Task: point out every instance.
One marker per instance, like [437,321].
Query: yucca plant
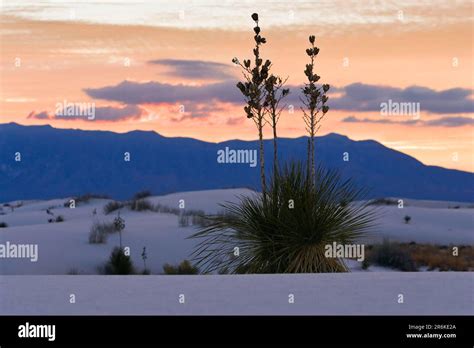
[289,232]
[285,228]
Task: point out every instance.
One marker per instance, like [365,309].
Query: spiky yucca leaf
[287,232]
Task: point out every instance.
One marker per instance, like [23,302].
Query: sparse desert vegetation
[391,255]
[141,195]
[183,220]
[431,249]
[13,206]
[56,219]
[141,205]
[85,198]
[119,263]
[100,231]
[186,217]
[112,206]
[185,267]
[442,258]
[414,256]
[383,201]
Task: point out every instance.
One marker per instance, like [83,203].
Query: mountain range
[66,162]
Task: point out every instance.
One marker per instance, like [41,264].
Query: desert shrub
[170,269]
[97,236]
[183,220]
[158,208]
[392,255]
[99,231]
[365,263]
[185,267]
[86,198]
[3,225]
[440,257]
[13,206]
[286,232]
[141,205]
[199,217]
[112,206]
[201,220]
[119,263]
[383,201]
[59,218]
[141,195]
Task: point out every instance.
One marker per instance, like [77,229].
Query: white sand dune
[64,246]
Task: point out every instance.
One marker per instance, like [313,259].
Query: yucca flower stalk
[314,100]
[275,92]
[253,90]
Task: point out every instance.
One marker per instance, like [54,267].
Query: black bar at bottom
[141,330]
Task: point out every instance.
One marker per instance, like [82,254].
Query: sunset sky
[166,66]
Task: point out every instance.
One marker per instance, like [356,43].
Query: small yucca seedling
[119,225]
[144,258]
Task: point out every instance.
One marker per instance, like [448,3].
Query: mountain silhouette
[66,162]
